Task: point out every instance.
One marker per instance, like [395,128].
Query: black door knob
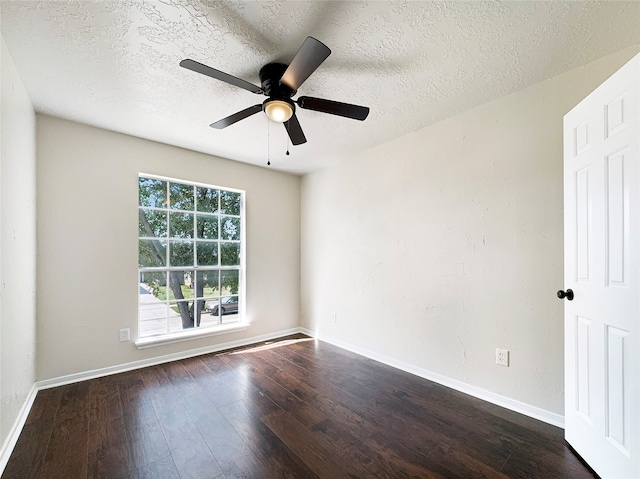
[566,294]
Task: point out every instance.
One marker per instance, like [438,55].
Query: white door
[602,267]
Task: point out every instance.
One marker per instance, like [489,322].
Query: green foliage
[160,292]
[207,227]
[157,290]
[230,254]
[229,203]
[230,281]
[230,228]
[207,199]
[152,193]
[152,223]
[151,253]
[181,253]
[181,196]
[180,225]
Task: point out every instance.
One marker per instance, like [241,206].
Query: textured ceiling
[114,63]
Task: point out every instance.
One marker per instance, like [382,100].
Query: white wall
[87,243]
[17,246]
[438,247]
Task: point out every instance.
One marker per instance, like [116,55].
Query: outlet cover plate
[502,357]
[125,335]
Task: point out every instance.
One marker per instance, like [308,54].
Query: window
[190,256]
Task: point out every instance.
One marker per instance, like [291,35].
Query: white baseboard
[97,373]
[16,429]
[497,399]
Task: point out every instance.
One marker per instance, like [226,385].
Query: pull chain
[287,145]
[268,143]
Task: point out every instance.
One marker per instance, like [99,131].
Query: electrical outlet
[334,317]
[502,357]
[124,335]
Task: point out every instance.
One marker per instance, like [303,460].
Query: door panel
[582,364]
[617,406]
[583,223]
[617,208]
[602,267]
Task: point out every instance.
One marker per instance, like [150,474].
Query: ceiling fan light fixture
[278,110]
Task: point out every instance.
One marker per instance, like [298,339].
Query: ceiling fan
[280,82]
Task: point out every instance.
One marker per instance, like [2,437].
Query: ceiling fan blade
[295,130]
[241,115]
[355,112]
[218,75]
[310,56]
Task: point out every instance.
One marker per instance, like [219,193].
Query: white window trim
[196,333]
[169,338]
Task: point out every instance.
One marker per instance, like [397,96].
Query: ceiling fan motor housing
[270,75]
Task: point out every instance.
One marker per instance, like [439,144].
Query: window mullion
[196,311]
[167,273]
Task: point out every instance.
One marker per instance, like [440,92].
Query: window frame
[196,331]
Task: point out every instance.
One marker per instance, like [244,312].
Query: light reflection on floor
[271,345]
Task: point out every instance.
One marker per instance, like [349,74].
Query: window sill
[153,341]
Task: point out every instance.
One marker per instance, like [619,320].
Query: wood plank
[192,457]
[67,452]
[108,451]
[29,453]
[144,436]
[182,380]
[133,394]
[233,455]
[146,441]
[161,469]
[226,385]
[277,458]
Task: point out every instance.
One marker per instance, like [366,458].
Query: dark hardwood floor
[293,408]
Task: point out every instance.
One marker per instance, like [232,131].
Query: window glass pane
[207,253]
[152,223]
[180,225]
[226,309]
[151,253]
[152,192]
[207,199]
[180,285]
[153,316]
[229,203]
[211,314]
[207,282]
[230,254]
[207,227]
[229,281]
[153,287]
[180,253]
[181,196]
[231,228]
[180,316]
[183,316]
